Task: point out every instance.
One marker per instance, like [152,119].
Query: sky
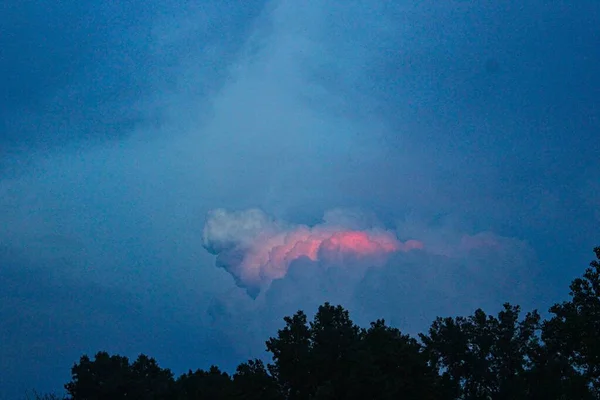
[177,176]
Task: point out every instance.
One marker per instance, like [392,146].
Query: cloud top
[257,249]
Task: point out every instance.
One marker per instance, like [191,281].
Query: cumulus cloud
[288,107]
[351,260]
[256,249]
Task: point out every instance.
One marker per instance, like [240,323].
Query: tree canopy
[477,357]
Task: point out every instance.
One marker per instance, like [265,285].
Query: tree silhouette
[211,384]
[104,377]
[481,356]
[484,356]
[291,351]
[113,377]
[149,381]
[332,358]
[571,335]
[395,366]
[251,381]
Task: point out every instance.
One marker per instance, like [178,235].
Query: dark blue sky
[123,123]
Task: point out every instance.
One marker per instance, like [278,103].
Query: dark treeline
[504,356]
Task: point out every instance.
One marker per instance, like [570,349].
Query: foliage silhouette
[484,356]
[480,356]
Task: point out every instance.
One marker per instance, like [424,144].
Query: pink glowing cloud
[257,250]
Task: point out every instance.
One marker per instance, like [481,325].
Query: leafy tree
[104,377]
[149,381]
[571,335]
[335,340]
[112,377]
[211,384]
[394,366]
[553,376]
[291,351]
[315,360]
[251,381]
[482,356]
[470,358]
[332,358]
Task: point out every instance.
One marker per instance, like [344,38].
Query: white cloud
[447,274]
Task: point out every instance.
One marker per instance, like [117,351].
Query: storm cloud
[257,249]
[281,267]
[468,127]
